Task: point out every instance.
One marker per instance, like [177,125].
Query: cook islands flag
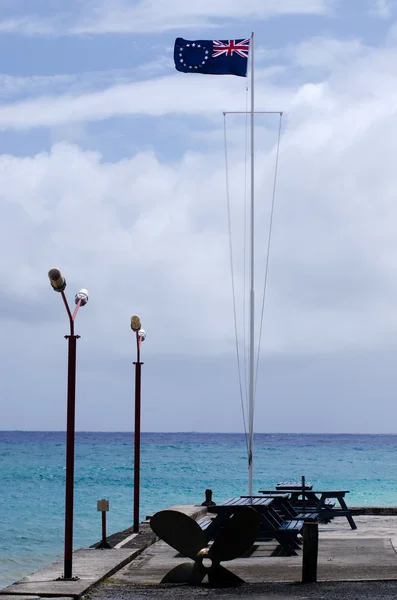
[212,57]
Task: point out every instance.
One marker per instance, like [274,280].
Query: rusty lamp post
[140,337]
[58,284]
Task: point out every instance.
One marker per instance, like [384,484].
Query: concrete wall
[376,510]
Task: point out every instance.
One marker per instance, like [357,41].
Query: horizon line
[199,432]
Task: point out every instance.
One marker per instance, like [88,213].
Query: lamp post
[140,337]
[58,284]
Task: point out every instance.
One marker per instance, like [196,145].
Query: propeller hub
[206,562]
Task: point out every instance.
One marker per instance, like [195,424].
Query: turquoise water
[176,468]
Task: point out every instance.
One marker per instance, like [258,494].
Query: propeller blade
[237,536]
[179,531]
[190,573]
[223,577]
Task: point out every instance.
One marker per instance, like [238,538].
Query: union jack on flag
[212,57]
[241,48]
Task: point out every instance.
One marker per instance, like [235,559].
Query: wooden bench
[321,501]
[204,523]
[296,502]
[281,504]
[293,525]
[308,516]
[273,525]
[285,531]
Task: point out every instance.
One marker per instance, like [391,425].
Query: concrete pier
[135,564]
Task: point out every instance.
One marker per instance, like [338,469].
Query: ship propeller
[185,535]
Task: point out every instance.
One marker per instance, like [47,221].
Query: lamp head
[135,323]
[82,295]
[142,334]
[57,281]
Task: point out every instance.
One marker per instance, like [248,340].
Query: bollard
[103,507]
[310,552]
[303,493]
[208,499]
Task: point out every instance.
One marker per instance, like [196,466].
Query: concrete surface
[90,565]
[369,552]
[380,590]
[134,569]
[22,597]
[356,564]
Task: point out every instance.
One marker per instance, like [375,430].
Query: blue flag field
[212,57]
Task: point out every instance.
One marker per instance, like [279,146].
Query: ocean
[176,468]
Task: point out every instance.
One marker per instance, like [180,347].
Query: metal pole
[137,435]
[70,435]
[252,293]
[104,542]
[58,283]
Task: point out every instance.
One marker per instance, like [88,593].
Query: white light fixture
[82,295]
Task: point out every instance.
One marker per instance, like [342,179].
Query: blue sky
[112,169]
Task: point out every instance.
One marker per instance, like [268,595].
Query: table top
[272,494]
[309,492]
[329,492]
[255,502]
[290,485]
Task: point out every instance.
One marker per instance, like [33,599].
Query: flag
[212,57]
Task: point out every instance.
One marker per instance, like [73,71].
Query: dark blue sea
[176,468]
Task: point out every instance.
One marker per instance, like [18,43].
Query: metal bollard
[310,552]
[103,507]
[208,499]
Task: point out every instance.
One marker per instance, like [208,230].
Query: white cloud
[18,86]
[98,96]
[163,224]
[366,78]
[156,97]
[127,227]
[326,52]
[382,8]
[14,85]
[149,16]
[149,235]
[31,25]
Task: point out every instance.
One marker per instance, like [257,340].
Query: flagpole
[252,292]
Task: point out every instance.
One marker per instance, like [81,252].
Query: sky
[112,169]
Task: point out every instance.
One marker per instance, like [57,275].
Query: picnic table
[320,500]
[292,485]
[274,524]
[285,508]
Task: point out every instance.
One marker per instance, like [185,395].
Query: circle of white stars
[193,44]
